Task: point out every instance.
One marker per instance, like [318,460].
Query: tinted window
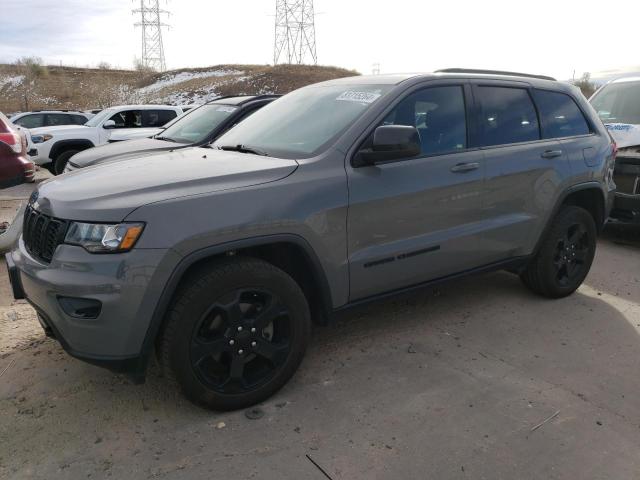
[78,119]
[508,116]
[157,118]
[127,119]
[197,125]
[439,115]
[31,121]
[559,114]
[54,119]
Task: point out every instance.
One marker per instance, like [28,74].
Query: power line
[295,36]
[151,26]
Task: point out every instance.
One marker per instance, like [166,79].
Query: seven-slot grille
[42,234]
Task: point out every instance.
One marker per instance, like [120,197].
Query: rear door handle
[465,167]
[551,153]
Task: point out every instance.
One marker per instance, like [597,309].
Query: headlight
[101,238]
[41,138]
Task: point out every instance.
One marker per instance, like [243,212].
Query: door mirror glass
[391,142]
[109,124]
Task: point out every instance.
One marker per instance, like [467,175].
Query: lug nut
[239,329]
[253,329]
[240,352]
[231,342]
[253,344]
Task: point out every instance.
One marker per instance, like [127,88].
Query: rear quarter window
[507,116]
[560,115]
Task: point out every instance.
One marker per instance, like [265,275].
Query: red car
[15,167]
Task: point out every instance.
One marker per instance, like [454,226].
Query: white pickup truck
[56,145]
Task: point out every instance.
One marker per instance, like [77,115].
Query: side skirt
[513,265]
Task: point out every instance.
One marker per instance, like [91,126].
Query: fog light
[86,308]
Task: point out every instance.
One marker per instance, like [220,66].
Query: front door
[417,219]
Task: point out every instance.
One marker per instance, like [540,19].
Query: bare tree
[104,66]
[586,85]
[32,70]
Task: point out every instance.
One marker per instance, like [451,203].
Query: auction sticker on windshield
[359,97]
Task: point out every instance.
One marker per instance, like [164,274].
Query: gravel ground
[448,383]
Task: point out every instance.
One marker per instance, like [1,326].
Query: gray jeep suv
[219,259]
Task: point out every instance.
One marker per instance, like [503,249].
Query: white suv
[56,145]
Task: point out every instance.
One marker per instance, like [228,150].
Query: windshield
[302,123]
[198,124]
[619,103]
[100,117]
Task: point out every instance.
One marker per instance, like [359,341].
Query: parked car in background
[218,259]
[618,106]
[56,145]
[199,126]
[50,118]
[15,167]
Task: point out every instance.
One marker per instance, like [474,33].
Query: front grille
[42,234]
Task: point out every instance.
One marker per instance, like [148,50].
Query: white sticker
[359,97]
[226,109]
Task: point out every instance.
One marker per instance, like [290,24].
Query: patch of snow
[12,81]
[168,80]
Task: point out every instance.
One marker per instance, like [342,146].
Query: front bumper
[127,285]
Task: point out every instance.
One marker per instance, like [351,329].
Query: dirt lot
[449,383]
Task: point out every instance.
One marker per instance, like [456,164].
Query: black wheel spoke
[274,352]
[576,235]
[201,349]
[267,315]
[236,369]
[580,255]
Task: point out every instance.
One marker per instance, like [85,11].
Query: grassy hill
[83,88]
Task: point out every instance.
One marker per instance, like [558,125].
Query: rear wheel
[236,334]
[565,256]
[61,161]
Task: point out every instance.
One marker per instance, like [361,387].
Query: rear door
[523,170]
[417,219]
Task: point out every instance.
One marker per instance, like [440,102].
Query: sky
[561,38]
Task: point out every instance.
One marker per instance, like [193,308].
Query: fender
[62,145]
[556,208]
[187,261]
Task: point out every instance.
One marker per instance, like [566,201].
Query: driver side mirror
[109,124]
[390,142]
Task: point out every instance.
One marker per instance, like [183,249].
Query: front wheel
[236,333]
[61,161]
[565,256]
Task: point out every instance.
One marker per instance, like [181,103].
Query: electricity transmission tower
[295,40]
[151,26]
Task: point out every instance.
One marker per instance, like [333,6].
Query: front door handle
[551,153]
[465,167]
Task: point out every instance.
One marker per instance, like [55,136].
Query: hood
[108,193]
[60,129]
[121,151]
[625,134]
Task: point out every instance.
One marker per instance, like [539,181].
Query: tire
[61,161]
[240,311]
[565,256]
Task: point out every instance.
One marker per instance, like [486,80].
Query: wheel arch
[587,195]
[289,252]
[590,197]
[62,145]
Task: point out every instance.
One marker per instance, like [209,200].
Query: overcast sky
[554,37]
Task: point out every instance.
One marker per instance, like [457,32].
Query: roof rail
[494,72]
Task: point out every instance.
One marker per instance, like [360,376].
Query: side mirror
[109,124]
[390,142]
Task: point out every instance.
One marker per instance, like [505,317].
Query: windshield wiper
[243,149]
[167,139]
